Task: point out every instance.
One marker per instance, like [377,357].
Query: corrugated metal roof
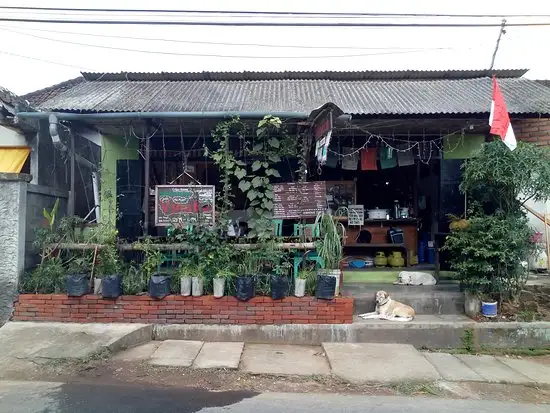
[39,96]
[317,75]
[367,97]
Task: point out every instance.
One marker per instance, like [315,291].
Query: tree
[488,251]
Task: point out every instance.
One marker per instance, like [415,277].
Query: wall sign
[184,204]
[299,199]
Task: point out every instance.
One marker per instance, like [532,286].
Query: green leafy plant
[487,250]
[80,264]
[189,267]
[329,246]
[265,148]
[47,278]
[133,280]
[108,261]
[50,215]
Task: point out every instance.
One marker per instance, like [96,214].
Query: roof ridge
[305,75]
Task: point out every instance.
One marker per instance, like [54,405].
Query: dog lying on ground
[415,278]
[388,309]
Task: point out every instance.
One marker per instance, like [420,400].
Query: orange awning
[13,159]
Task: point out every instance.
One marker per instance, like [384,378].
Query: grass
[492,351]
[413,388]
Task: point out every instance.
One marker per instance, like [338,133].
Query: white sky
[435,48]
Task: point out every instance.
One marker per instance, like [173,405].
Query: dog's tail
[403,318]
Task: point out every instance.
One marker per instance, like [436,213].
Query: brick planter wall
[178,309]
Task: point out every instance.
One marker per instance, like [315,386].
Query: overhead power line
[44,60]
[269,13]
[267,24]
[215,55]
[11,29]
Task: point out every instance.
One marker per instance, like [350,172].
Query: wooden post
[71,201]
[146,186]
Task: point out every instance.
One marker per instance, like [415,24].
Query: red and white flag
[499,118]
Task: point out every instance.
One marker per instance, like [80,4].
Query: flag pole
[502,31]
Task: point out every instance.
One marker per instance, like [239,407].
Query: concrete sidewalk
[355,363]
[24,344]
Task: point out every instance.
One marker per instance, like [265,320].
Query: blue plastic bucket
[489,309]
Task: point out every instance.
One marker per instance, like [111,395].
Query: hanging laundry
[388,158]
[349,162]
[332,160]
[368,159]
[405,158]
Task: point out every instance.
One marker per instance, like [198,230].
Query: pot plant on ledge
[330,249]
[305,280]
[248,268]
[78,277]
[108,271]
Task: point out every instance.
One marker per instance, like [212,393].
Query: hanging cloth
[349,162]
[388,158]
[332,160]
[405,158]
[368,159]
[13,159]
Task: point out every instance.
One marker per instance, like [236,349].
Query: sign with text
[184,204]
[299,199]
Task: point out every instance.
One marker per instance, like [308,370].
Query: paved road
[40,397]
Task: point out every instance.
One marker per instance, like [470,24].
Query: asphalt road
[40,397]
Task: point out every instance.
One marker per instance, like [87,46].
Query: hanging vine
[265,148]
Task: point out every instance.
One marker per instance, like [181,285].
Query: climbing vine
[265,148]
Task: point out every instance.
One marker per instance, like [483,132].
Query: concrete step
[425,331]
[445,298]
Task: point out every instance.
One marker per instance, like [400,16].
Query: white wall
[11,137]
[539,207]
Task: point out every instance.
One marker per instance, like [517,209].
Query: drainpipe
[157,115]
[58,143]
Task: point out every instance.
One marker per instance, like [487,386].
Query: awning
[13,159]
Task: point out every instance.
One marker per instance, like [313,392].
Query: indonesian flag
[499,118]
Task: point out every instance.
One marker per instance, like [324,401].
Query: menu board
[299,199]
[184,204]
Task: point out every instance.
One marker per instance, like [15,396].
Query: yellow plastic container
[396,259]
[380,260]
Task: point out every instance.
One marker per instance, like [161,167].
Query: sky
[37,55]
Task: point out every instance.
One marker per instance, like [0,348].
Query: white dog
[415,278]
[388,309]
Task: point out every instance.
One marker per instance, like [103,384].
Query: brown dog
[388,309]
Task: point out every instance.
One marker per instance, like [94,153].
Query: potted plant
[186,270]
[108,271]
[489,306]
[159,283]
[197,281]
[329,248]
[79,269]
[279,281]
[222,275]
[247,270]
[49,277]
[304,276]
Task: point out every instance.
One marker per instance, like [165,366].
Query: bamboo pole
[537,214]
[179,246]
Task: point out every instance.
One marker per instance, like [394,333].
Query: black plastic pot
[159,285]
[326,287]
[111,286]
[244,287]
[77,285]
[279,287]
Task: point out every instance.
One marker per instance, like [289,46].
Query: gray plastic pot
[185,286]
[219,287]
[300,287]
[197,286]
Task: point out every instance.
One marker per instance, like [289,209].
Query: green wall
[113,148]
